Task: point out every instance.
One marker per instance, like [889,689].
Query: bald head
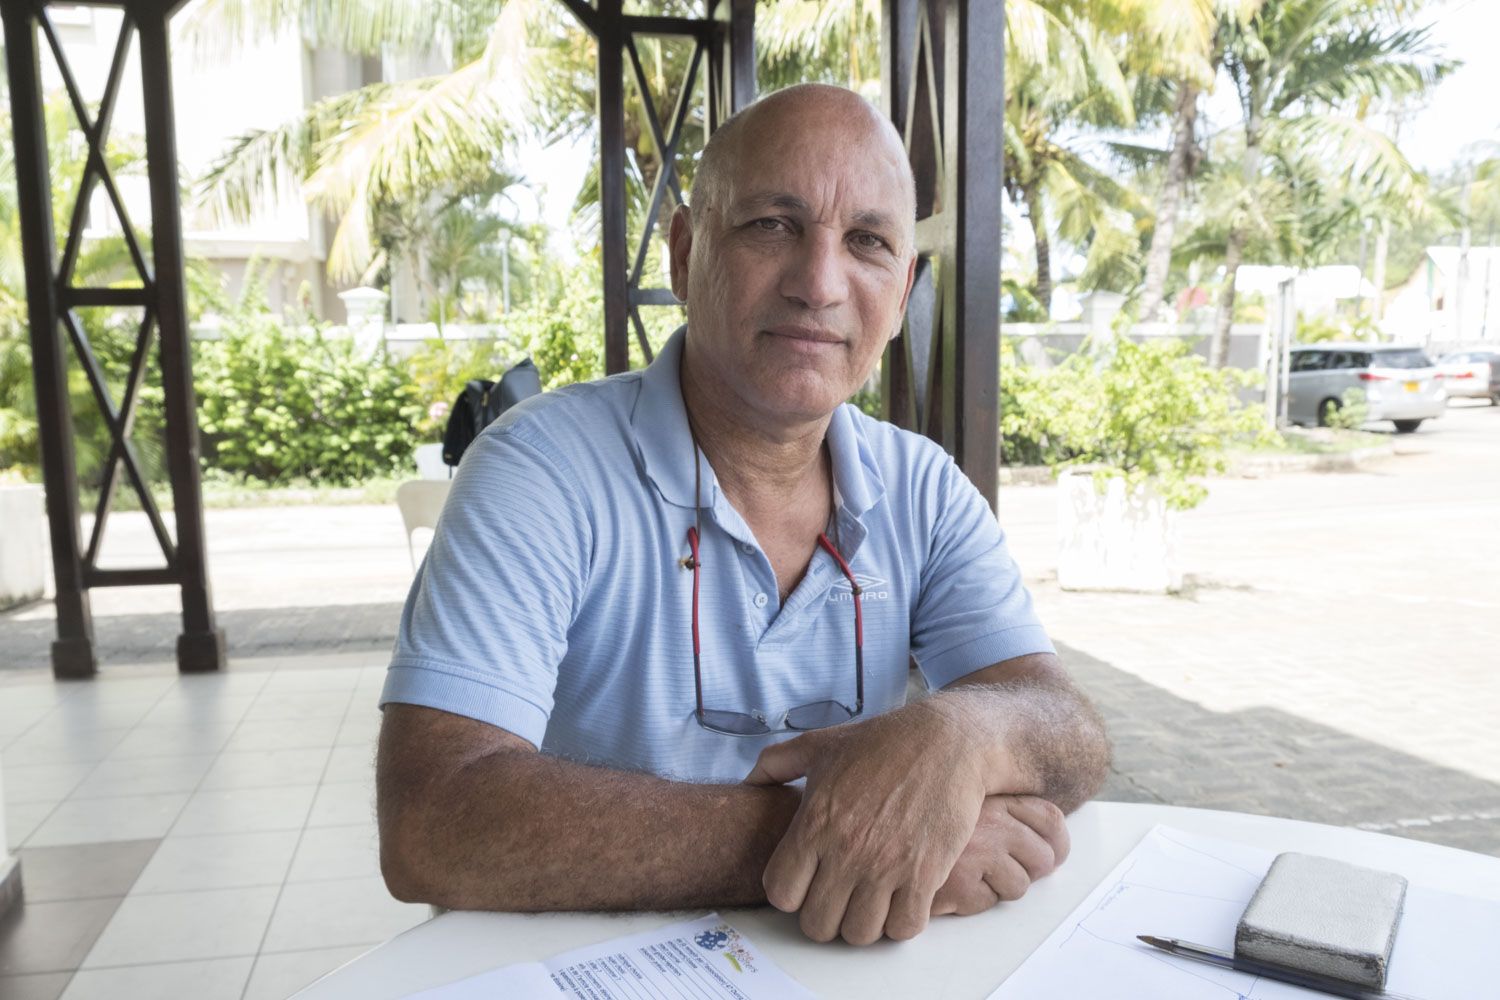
[781,121]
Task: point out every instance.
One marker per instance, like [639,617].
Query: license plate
[1413,386]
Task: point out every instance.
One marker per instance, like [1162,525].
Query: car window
[1308,361]
[1400,359]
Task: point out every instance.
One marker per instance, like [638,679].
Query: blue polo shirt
[553,602]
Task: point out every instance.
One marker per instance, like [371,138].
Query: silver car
[1474,374]
[1400,384]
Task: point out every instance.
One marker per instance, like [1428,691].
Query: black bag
[481,402]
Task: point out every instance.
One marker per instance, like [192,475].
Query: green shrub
[1148,411]
[276,405]
[1353,410]
[18,441]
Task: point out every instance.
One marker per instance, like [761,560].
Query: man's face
[796,272]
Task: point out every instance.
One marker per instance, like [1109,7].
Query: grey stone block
[1323,916]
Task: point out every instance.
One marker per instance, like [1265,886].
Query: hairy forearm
[1041,735]
[518,830]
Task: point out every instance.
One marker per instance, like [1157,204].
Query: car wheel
[1407,426]
[1326,410]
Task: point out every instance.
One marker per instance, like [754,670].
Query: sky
[1464,108]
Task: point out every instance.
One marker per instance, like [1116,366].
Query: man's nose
[816,275]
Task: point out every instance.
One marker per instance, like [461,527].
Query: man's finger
[1046,819]
[827,900]
[964,897]
[910,909]
[864,919]
[1008,879]
[789,873]
[1033,851]
[781,762]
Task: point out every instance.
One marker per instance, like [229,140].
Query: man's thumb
[781,762]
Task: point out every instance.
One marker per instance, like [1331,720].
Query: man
[644,588]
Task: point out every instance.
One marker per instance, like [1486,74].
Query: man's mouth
[806,337]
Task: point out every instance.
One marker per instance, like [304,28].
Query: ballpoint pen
[1291,977]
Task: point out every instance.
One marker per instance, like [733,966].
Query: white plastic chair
[420,502]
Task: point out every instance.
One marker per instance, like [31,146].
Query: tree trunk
[1179,168]
[1382,251]
[1033,196]
[1234,250]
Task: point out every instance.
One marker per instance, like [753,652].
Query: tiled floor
[193,836]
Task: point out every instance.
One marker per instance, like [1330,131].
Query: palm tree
[1177,55]
[1298,67]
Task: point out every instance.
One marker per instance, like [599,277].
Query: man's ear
[680,248]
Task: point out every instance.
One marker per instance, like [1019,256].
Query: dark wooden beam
[942,74]
[974,107]
[73,651]
[610,30]
[201,646]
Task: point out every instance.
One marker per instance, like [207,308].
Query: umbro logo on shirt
[871,588]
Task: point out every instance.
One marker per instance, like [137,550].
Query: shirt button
[746,548]
[761,600]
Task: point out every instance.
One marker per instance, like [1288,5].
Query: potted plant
[1130,428]
[23,555]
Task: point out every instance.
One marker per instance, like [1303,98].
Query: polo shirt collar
[659,422]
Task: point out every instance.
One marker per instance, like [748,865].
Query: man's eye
[769,225]
[869,241]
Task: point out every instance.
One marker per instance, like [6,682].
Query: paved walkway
[1336,658]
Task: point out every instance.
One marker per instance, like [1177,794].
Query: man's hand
[889,807]
[1019,839]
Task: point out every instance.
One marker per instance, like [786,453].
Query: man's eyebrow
[870,218]
[771,199]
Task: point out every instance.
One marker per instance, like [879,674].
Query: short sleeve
[486,622]
[972,609]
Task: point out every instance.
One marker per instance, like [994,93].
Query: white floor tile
[218,861]
[118,687]
[343,803]
[340,912]
[266,769]
[245,810]
[186,711]
[168,741]
[298,681]
[283,734]
[127,817]
[216,979]
[360,728]
[42,782]
[179,926]
[102,713]
[336,852]
[276,977]
[351,763]
[310,705]
[45,745]
[22,820]
[143,776]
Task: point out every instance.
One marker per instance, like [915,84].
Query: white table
[963,958]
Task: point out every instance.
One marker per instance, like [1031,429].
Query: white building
[221,92]
[1452,298]
[1318,291]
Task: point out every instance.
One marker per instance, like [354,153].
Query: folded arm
[473,817]
[941,806]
